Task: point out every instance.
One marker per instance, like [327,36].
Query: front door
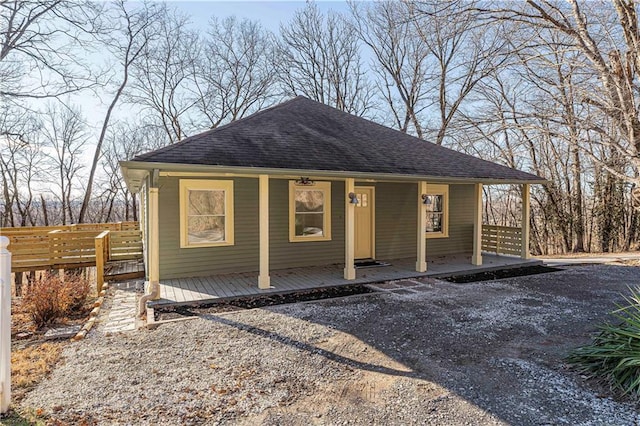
[364,223]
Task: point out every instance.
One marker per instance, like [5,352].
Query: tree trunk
[44,210]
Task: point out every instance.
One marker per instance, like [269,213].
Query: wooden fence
[502,239]
[74,246]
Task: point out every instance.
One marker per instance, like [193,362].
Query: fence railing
[125,245]
[502,239]
[73,246]
[111,226]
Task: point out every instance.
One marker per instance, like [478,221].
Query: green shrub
[51,297]
[613,356]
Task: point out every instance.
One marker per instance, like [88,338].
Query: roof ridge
[255,114]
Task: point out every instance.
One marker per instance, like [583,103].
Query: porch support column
[477,225]
[349,231]
[264,281]
[154,238]
[421,260]
[526,215]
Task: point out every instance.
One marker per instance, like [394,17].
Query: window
[206,213]
[363,200]
[437,206]
[310,212]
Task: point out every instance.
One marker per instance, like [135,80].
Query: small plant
[51,297]
[78,288]
[613,357]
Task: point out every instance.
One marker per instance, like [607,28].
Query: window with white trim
[206,213]
[309,212]
[437,206]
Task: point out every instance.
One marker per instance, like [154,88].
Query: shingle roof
[302,134]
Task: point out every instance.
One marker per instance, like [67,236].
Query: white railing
[502,240]
[5,325]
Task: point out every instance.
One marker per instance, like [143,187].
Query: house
[302,184]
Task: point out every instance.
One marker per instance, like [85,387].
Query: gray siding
[188,262]
[460,224]
[396,216]
[284,254]
[243,256]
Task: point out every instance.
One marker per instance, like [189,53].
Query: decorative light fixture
[426,199]
[304,181]
[353,198]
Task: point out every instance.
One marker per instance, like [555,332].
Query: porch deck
[183,291]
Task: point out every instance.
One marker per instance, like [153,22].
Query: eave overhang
[135,173]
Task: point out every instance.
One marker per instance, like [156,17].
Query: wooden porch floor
[121,270]
[219,287]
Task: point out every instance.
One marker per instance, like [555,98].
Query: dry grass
[30,365]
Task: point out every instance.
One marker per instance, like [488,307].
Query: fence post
[100,246]
[5,325]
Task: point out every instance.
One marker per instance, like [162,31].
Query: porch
[219,287]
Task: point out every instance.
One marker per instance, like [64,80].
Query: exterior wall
[395,218]
[243,256]
[178,262]
[284,254]
[460,224]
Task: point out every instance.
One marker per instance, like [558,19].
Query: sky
[269,13]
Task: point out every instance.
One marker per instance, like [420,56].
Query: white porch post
[154,243]
[5,325]
[421,260]
[264,281]
[526,214]
[477,226]
[349,231]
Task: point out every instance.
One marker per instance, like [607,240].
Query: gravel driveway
[438,353]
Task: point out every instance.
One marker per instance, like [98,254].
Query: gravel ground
[488,353]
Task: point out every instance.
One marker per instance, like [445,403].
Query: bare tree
[164,72]
[21,161]
[37,47]
[65,135]
[129,38]
[20,128]
[464,50]
[319,57]
[124,141]
[606,42]
[235,73]
[401,60]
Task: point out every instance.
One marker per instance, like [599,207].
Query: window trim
[322,186]
[203,185]
[434,189]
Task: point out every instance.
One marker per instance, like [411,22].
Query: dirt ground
[418,352]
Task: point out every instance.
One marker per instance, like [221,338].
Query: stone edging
[97,305]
